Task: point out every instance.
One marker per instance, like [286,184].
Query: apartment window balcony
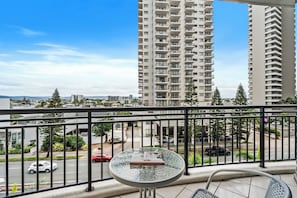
[161,26]
[174,52]
[208,7]
[161,41]
[162,9]
[208,21]
[189,2]
[190,30]
[174,22]
[208,34]
[189,60]
[161,95]
[208,14]
[175,30]
[175,45]
[174,73]
[188,46]
[161,33]
[175,38]
[160,56]
[174,59]
[161,18]
[190,16]
[175,8]
[161,1]
[161,49]
[189,38]
[189,52]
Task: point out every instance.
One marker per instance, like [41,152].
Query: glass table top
[148,175]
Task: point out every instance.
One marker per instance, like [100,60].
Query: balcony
[255,136]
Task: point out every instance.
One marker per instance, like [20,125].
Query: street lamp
[287,3]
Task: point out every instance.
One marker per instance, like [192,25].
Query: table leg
[147,192]
[140,192]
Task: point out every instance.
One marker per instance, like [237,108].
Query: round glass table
[147,168]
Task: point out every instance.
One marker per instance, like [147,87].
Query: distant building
[4,104]
[121,99]
[175,51]
[271,54]
[76,98]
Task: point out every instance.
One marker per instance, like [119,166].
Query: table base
[147,192]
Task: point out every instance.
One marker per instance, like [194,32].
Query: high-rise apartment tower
[271,54]
[175,51]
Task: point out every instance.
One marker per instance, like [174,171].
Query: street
[58,174]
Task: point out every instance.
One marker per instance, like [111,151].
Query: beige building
[271,54]
[175,51]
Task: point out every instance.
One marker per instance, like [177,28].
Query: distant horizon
[85,96]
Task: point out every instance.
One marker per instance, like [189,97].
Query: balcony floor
[236,185]
[252,187]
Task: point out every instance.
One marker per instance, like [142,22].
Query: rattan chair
[276,188]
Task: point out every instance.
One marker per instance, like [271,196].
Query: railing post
[186,144]
[262,138]
[90,187]
[295,176]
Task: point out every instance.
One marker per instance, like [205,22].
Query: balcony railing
[204,136]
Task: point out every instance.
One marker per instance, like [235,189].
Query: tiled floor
[251,187]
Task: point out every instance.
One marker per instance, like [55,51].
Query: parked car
[217,150]
[2,187]
[101,157]
[43,166]
[167,139]
[114,140]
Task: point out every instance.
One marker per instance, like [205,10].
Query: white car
[43,166]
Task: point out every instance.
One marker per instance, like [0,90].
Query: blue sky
[89,47]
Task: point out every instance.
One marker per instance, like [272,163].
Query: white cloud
[29,33]
[69,70]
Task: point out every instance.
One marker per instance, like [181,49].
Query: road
[58,174]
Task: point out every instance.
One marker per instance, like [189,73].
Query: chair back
[278,189]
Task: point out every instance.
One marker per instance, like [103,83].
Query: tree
[217,129]
[240,98]
[288,100]
[101,128]
[191,99]
[241,126]
[55,101]
[216,99]
[191,94]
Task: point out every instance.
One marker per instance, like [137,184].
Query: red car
[101,157]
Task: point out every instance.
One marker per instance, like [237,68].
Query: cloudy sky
[89,47]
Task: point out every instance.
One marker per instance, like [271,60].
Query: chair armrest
[252,172]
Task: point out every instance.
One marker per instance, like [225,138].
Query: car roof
[100,153]
[41,162]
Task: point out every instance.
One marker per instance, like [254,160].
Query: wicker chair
[276,188]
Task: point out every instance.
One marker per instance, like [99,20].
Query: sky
[89,47]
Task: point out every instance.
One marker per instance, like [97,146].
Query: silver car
[43,166]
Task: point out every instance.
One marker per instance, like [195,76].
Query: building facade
[271,54]
[175,51]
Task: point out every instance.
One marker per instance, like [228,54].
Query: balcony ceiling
[288,3]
